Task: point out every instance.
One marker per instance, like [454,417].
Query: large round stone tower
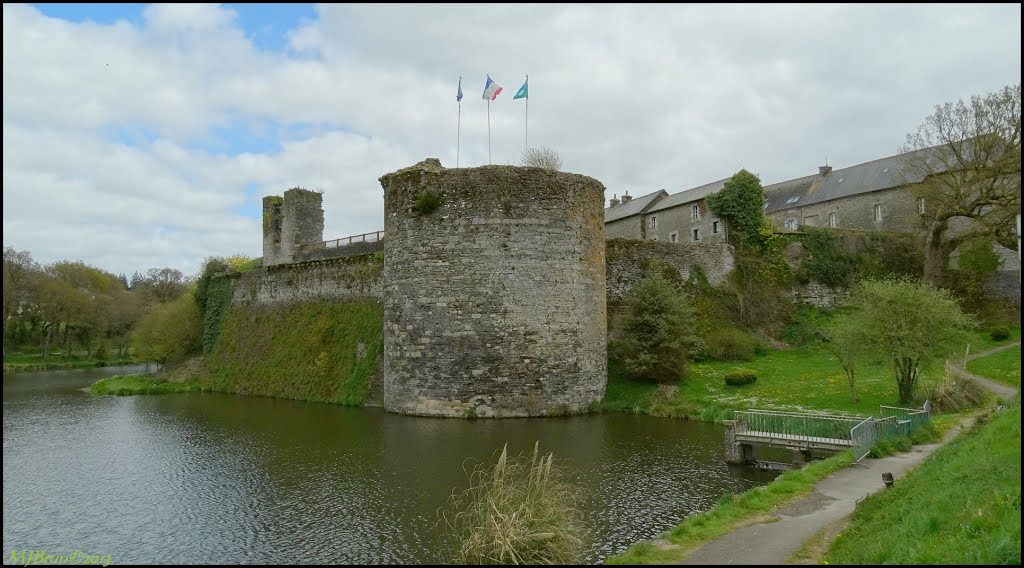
[494,291]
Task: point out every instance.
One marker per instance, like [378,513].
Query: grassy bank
[21,362]
[961,506]
[799,379]
[1003,366]
[125,385]
[731,512]
[316,351]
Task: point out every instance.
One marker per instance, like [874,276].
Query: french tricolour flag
[491,89]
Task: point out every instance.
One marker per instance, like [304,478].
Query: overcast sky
[145,136]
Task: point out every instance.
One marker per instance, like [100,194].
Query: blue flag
[458,97]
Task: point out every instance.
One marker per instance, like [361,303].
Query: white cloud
[639,97]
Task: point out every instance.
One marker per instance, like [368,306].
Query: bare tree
[542,157]
[965,165]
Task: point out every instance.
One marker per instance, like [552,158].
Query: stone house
[680,218]
[624,219]
[873,195]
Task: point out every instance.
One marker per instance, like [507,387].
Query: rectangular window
[696,212]
[920,206]
[792,224]
[714,226]
[832,220]
[696,234]
[878,212]
[673,236]
[653,223]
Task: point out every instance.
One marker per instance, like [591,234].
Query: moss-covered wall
[307,331]
[317,351]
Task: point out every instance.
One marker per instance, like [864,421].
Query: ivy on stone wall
[276,200]
[218,301]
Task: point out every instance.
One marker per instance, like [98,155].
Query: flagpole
[526,145]
[488,131]
[458,132]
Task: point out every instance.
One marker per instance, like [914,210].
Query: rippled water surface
[225,479]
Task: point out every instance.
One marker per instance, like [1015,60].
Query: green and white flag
[524,91]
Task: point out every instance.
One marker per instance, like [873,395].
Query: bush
[999,334]
[427,203]
[657,331]
[954,394]
[740,377]
[730,344]
[517,511]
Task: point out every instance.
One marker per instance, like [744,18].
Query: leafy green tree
[657,332]
[847,342]
[741,203]
[909,323]
[964,162]
[169,332]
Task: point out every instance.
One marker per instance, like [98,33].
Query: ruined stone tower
[494,291]
[288,223]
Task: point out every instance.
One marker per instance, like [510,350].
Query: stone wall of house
[628,262]
[494,291]
[898,208]
[679,221]
[628,228]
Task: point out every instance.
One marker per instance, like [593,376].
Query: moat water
[226,479]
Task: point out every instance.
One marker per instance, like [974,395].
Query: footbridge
[806,432]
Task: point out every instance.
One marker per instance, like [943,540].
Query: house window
[696,234]
[920,205]
[878,212]
[832,220]
[653,223]
[673,236]
[792,224]
[714,226]
[696,212]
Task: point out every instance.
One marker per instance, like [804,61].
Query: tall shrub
[657,331]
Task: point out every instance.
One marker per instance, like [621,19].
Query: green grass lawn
[1003,366]
[961,506]
[982,340]
[127,385]
[80,359]
[803,379]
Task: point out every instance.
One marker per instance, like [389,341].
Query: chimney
[626,198]
[614,201]
[824,170]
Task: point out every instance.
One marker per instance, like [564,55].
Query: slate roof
[694,194]
[883,173]
[634,206]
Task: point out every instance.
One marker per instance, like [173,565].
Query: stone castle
[493,287]
[495,280]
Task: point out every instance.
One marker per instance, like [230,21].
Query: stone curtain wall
[628,260]
[494,299]
[346,278]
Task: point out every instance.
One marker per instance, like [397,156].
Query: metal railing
[916,417]
[860,433]
[796,426]
[375,236]
[863,437]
